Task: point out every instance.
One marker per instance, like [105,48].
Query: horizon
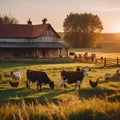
[57,11]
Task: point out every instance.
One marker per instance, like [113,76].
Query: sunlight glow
[116,28]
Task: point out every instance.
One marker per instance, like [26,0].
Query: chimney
[29,22]
[44,21]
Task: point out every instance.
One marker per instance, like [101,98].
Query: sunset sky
[57,10]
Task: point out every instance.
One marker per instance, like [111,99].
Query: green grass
[88,103]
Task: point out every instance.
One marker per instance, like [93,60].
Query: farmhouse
[26,41]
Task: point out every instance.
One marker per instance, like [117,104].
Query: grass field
[88,103]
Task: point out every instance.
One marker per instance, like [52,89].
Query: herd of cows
[69,77]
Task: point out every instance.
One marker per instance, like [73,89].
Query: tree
[8,19]
[82,30]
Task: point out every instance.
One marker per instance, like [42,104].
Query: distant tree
[82,30]
[8,19]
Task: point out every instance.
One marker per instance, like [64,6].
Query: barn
[27,41]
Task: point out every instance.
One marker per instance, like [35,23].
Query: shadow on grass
[95,92]
[15,95]
[15,64]
[88,114]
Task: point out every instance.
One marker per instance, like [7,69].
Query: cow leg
[75,85]
[62,83]
[78,83]
[40,86]
[79,87]
[37,86]
[65,87]
[28,84]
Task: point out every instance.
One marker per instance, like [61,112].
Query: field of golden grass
[101,103]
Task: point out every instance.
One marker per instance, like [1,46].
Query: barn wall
[29,53]
[6,53]
[47,53]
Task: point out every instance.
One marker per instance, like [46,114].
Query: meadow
[101,103]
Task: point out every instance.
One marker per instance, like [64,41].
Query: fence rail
[107,61]
[95,59]
[98,61]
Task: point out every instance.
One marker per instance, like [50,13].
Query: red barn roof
[24,31]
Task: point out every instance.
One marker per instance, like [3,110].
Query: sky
[57,10]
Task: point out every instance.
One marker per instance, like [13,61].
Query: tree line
[80,30]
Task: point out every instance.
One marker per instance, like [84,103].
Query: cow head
[85,71]
[51,84]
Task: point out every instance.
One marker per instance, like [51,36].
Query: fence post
[105,62]
[117,61]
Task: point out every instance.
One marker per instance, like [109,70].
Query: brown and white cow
[71,77]
[39,77]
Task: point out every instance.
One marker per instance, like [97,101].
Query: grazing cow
[71,77]
[39,77]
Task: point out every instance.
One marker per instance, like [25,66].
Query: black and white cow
[39,77]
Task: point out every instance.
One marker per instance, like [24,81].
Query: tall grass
[70,109]
[101,103]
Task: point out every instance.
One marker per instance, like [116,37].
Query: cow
[39,77]
[71,77]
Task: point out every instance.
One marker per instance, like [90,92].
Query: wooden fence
[98,61]
[107,61]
